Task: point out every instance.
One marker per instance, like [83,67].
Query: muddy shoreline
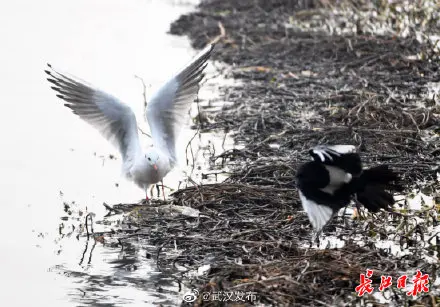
[309,72]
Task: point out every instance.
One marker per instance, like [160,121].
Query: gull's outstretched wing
[169,106]
[115,120]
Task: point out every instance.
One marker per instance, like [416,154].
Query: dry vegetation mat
[309,72]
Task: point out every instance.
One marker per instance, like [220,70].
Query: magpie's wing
[329,154]
[340,156]
[319,215]
[321,206]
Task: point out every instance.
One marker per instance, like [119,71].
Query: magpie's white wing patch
[319,215]
[343,149]
[328,153]
[337,175]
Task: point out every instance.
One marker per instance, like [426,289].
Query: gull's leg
[147,199]
[163,190]
[151,191]
[158,190]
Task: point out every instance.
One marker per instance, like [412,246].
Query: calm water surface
[48,156]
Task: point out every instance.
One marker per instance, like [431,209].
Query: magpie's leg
[315,238]
[358,208]
[344,216]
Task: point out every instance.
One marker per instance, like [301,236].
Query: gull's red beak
[155,167]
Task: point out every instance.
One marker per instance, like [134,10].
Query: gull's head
[152,158]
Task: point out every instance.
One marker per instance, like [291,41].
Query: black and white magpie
[335,175]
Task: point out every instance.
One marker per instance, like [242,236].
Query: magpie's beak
[155,167]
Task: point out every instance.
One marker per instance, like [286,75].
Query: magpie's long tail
[375,188]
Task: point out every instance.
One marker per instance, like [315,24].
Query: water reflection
[50,158]
[128,280]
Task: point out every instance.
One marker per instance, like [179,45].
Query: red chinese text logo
[420,283]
